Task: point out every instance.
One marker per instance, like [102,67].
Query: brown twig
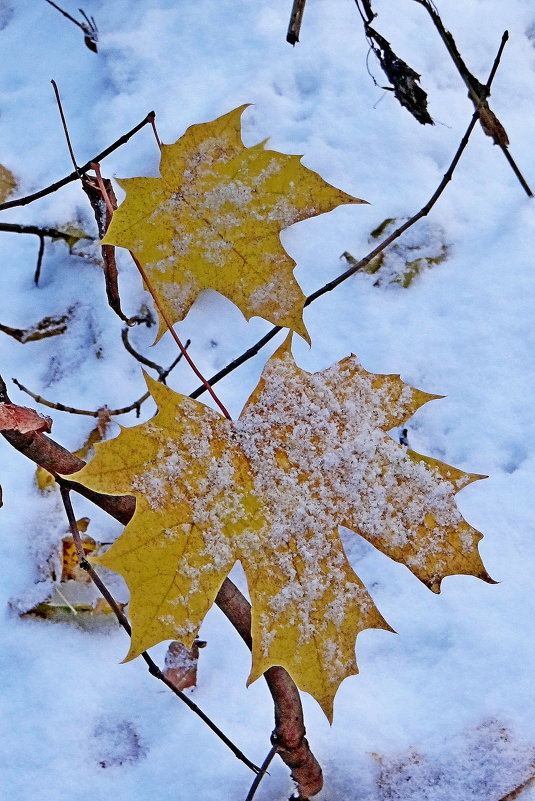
[74,176]
[154,670]
[296,17]
[97,190]
[359,265]
[64,122]
[169,324]
[489,121]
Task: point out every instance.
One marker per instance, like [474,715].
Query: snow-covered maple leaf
[213,221]
[308,453]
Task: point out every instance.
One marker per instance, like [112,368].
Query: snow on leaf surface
[309,452]
[213,219]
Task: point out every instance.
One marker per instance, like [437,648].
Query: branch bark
[288,736]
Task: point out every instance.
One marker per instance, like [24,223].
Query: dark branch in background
[89,27]
[60,407]
[74,176]
[358,265]
[296,17]
[489,121]
[403,78]
[154,670]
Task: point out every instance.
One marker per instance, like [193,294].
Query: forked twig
[41,233]
[169,324]
[358,265]
[74,176]
[154,670]
[489,122]
[89,27]
[259,776]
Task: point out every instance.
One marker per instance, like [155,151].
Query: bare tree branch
[74,176]
[488,119]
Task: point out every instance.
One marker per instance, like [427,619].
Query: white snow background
[444,709]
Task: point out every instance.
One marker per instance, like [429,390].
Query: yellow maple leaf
[309,452]
[213,219]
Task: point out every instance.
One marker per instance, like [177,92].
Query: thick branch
[289,734]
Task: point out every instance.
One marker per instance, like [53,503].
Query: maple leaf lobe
[213,221]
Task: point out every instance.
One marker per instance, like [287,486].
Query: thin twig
[162,372]
[60,407]
[358,265]
[259,776]
[156,134]
[169,324]
[489,122]
[296,17]
[64,124]
[154,670]
[36,230]
[39,264]
[74,176]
